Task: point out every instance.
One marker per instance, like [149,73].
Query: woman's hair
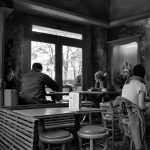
[37,67]
[99,74]
[139,70]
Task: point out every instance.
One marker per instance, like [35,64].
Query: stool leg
[49,147]
[66,146]
[113,140]
[124,141]
[131,144]
[106,144]
[63,146]
[43,146]
[69,146]
[80,143]
[92,147]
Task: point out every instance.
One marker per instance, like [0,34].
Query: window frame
[54,39]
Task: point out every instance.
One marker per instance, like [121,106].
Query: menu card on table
[74,101]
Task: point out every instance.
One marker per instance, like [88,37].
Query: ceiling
[98,12]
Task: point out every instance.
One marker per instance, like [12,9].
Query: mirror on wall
[123,54]
[124,57]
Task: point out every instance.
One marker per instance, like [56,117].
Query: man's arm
[50,83]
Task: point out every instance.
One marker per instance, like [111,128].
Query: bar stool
[93,132]
[53,131]
[110,121]
[58,136]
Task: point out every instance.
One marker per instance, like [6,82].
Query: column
[3,14]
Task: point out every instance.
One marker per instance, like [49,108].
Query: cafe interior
[73,39]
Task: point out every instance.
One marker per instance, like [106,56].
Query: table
[53,95]
[59,112]
[41,113]
[57,93]
[99,92]
[44,113]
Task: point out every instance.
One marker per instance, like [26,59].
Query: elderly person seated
[100,85]
[100,81]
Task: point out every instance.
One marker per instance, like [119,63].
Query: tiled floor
[117,146]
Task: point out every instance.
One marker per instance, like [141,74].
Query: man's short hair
[37,67]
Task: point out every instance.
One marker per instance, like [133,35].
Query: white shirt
[131,91]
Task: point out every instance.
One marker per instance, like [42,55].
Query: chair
[136,125]
[126,133]
[110,119]
[53,132]
[93,133]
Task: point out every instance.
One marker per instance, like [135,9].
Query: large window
[59,52]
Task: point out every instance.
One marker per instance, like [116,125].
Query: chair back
[136,122]
[109,115]
[107,112]
[110,120]
[135,115]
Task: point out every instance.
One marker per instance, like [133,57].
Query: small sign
[74,101]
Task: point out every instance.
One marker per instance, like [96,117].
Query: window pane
[72,67]
[57,32]
[44,53]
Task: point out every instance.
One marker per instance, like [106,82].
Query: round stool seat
[92,132]
[55,136]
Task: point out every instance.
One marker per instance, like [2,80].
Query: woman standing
[134,92]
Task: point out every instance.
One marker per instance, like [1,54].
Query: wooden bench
[17,132]
[20,132]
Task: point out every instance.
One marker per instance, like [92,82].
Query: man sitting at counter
[100,81]
[100,85]
[33,86]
